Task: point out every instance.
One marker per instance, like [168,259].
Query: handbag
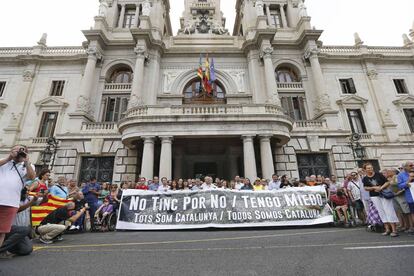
[387,194]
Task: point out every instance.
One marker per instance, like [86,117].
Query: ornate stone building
[128,101]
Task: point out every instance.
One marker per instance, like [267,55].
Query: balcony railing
[196,110]
[310,124]
[290,85]
[63,51]
[117,87]
[355,51]
[100,128]
[40,140]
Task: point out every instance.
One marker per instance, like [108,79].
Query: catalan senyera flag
[200,73]
[40,212]
[207,84]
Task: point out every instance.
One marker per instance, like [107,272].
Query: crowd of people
[364,197]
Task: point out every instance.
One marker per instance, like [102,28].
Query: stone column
[121,17]
[322,98]
[271,85]
[283,15]
[269,17]
[137,94]
[136,20]
[147,168]
[250,170]
[166,157]
[266,157]
[86,95]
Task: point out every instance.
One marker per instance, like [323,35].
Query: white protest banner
[145,210]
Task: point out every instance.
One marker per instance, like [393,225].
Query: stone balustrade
[40,140]
[16,51]
[375,50]
[290,85]
[99,128]
[196,110]
[64,51]
[366,136]
[310,124]
[118,87]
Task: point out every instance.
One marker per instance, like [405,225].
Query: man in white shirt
[354,188]
[238,183]
[164,186]
[275,183]
[208,184]
[15,170]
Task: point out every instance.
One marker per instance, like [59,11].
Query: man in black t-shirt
[51,226]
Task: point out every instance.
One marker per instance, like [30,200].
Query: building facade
[128,102]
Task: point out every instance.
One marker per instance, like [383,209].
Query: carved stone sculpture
[259,8]
[302,9]
[103,8]
[146,8]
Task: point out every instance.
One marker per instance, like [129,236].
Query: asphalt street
[274,251]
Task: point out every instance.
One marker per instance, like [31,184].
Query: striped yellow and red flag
[41,211]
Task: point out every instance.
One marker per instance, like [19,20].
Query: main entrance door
[199,157]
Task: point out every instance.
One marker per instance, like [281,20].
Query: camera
[42,191]
[22,153]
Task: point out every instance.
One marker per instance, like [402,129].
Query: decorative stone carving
[83,104]
[43,40]
[189,28]
[3,106]
[135,101]
[103,8]
[386,117]
[407,40]
[323,102]
[302,9]
[28,75]
[311,53]
[15,119]
[169,78]
[93,52]
[372,74]
[266,52]
[358,40]
[259,8]
[219,29]
[146,8]
[238,77]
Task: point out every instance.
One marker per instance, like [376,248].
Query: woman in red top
[41,184]
[341,205]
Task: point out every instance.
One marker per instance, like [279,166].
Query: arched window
[286,74]
[194,93]
[122,75]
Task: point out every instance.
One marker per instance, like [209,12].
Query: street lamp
[48,154]
[357,148]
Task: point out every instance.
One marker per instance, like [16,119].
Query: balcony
[309,125]
[117,88]
[206,120]
[99,128]
[290,86]
[40,140]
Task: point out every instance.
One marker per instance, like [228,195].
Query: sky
[378,22]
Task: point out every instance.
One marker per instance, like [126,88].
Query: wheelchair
[108,223]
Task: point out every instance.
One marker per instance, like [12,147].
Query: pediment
[352,100]
[405,101]
[51,103]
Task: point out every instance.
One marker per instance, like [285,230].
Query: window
[356,121]
[57,88]
[129,19]
[286,74]
[48,124]
[100,167]
[347,86]
[194,93]
[400,86]
[275,19]
[294,107]
[121,76]
[409,114]
[2,88]
[114,108]
[313,164]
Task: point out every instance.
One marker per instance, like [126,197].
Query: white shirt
[238,185]
[274,185]
[23,217]
[163,189]
[11,184]
[208,187]
[355,189]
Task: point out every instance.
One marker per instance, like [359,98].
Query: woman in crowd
[72,188]
[247,185]
[103,193]
[185,186]
[115,195]
[257,186]
[232,185]
[180,184]
[375,183]
[174,186]
[284,182]
[42,183]
[103,212]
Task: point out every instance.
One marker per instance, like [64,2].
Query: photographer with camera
[15,170]
[51,227]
